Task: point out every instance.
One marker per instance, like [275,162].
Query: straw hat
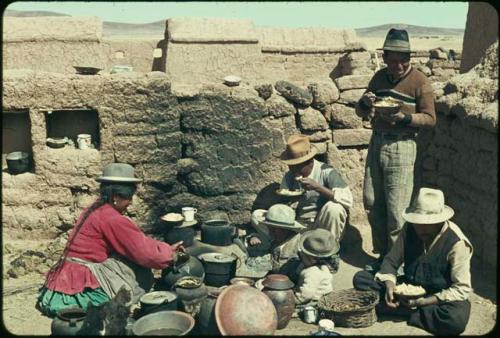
[318,243]
[298,150]
[428,208]
[282,216]
[119,173]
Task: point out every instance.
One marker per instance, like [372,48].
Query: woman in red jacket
[105,251]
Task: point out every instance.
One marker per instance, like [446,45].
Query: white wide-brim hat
[428,208]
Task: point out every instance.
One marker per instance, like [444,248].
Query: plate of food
[387,105]
[289,193]
[409,291]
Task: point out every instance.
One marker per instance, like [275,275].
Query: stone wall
[214,148]
[481,31]
[460,156]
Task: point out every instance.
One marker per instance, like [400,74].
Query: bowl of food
[408,291]
[173,218]
[289,193]
[57,142]
[387,105]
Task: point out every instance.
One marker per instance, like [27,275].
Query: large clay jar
[205,319]
[279,288]
[68,322]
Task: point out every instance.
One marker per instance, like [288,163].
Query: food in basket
[409,290]
[286,192]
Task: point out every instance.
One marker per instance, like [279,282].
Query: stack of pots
[219,268]
[279,288]
[217,232]
[190,292]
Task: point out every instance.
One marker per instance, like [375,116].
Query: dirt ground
[21,318]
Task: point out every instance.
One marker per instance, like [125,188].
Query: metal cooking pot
[68,322]
[18,162]
[219,268]
[157,301]
[164,323]
[217,232]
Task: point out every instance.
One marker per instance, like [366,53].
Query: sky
[329,14]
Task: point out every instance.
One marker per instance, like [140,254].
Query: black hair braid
[107,192]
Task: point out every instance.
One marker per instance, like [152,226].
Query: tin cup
[84,141]
[188,213]
[310,314]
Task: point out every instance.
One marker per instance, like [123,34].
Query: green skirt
[50,302]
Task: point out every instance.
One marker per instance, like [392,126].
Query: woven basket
[349,308]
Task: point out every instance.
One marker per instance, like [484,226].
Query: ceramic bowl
[232,80]
[87,70]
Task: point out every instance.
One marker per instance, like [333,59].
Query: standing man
[388,182]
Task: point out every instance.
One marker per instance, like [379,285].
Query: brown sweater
[414,89]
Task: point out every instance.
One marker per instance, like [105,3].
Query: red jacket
[106,231]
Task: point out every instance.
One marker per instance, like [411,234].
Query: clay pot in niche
[279,288]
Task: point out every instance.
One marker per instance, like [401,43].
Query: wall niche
[72,122]
[16,133]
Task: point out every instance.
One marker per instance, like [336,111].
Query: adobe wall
[196,141]
[460,156]
[481,31]
[215,148]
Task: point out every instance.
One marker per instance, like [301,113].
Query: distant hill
[381,31]
[157,28]
[11,12]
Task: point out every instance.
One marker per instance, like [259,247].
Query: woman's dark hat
[397,40]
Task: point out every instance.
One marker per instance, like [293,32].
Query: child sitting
[315,271]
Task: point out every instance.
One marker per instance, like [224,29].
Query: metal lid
[215,257]
[158,297]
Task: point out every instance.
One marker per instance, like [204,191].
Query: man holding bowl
[388,182]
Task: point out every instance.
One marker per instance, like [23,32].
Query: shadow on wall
[160,62]
[267,197]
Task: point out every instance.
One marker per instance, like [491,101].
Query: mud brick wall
[215,148]
[460,156]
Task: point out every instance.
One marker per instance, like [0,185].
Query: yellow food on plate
[409,290]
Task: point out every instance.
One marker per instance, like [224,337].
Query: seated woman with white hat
[436,256]
[105,251]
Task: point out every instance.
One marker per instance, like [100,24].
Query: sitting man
[436,256]
[283,233]
[327,197]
